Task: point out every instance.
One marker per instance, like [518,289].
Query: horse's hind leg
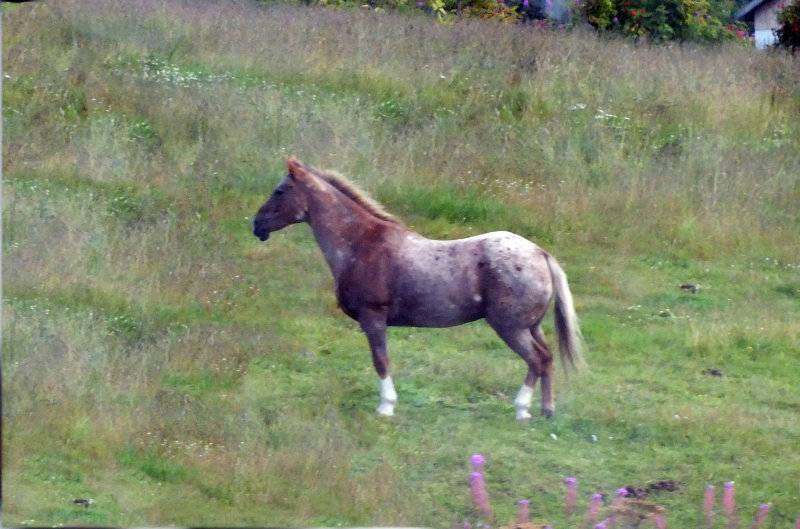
[546,360]
[522,342]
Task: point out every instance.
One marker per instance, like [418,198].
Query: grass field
[161,361]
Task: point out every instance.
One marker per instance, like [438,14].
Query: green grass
[160,360]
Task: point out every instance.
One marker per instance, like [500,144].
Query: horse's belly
[436,302]
[433,313]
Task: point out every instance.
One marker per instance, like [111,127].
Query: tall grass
[159,360]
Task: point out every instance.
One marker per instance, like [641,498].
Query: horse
[386,274]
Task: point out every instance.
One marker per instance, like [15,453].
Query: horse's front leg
[373,323]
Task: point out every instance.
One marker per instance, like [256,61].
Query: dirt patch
[526,525]
[669,485]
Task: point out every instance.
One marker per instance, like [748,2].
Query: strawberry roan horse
[388,275]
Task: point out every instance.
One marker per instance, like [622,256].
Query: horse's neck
[338,224]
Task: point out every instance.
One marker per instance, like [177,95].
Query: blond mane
[356,194]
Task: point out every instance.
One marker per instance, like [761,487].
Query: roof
[748,11]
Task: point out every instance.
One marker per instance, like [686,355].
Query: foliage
[653,20]
[788,30]
[497,10]
[659,21]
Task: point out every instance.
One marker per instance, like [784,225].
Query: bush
[659,21]
[788,30]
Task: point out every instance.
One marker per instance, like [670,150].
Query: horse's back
[440,283]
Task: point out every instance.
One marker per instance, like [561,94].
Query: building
[764,16]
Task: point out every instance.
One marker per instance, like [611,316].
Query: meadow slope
[160,360]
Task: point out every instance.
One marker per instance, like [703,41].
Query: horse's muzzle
[260,231]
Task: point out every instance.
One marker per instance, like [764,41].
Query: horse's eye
[279,191]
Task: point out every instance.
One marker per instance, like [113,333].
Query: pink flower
[479,495]
[761,515]
[523,515]
[708,505]
[594,507]
[570,496]
[618,496]
[729,504]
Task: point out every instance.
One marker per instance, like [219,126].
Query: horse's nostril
[260,232]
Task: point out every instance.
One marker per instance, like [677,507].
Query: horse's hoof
[385,410]
[523,416]
[547,413]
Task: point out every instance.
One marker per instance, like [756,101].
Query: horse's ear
[295,168]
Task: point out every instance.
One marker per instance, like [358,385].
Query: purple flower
[420,4]
[601,525]
[477,461]
[616,20]
[525,4]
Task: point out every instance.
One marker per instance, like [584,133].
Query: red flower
[633,13]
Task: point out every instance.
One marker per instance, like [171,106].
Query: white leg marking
[388,397]
[523,403]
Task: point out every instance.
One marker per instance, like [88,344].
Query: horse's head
[287,205]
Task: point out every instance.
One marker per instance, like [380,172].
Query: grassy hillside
[160,360]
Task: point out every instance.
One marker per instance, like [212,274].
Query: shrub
[788,30]
[497,10]
[659,21]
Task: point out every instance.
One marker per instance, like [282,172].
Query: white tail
[570,340]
